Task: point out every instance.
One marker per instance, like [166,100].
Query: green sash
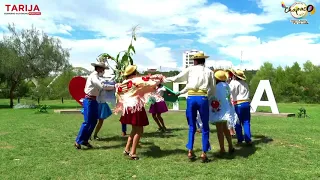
[169,95]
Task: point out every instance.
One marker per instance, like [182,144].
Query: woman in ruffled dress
[159,107]
[104,110]
[229,78]
[132,96]
[222,113]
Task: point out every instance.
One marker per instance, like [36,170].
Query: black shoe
[77,146]
[205,159]
[192,157]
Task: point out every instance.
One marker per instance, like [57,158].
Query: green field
[40,146]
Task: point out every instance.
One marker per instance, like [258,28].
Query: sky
[224,29]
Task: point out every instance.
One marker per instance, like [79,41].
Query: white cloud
[226,64]
[215,23]
[292,48]
[115,17]
[148,55]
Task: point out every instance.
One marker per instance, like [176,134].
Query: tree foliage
[28,54]
[290,84]
[59,88]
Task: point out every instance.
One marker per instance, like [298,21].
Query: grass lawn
[40,146]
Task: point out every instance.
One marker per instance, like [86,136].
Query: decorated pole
[124,61]
[77,84]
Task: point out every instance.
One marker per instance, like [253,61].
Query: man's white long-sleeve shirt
[198,77]
[239,90]
[94,84]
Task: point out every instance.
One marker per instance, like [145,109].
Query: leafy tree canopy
[28,54]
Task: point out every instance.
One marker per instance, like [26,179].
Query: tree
[266,72]
[58,87]
[28,54]
[311,82]
[3,53]
[39,87]
[80,71]
[280,83]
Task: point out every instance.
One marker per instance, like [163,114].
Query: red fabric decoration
[146,78]
[120,89]
[76,88]
[129,85]
[215,104]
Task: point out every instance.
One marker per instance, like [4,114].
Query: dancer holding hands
[159,107]
[200,86]
[222,112]
[240,96]
[92,88]
[132,96]
[104,112]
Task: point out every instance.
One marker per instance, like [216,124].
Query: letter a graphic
[264,85]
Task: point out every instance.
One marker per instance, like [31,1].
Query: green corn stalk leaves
[123,59]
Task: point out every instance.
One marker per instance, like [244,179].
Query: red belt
[239,101]
[90,97]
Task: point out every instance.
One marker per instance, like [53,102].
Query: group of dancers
[218,97]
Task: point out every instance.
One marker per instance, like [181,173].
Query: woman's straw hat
[220,75]
[230,73]
[215,70]
[129,70]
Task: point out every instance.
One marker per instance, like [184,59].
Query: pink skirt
[158,108]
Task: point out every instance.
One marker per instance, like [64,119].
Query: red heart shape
[76,88]
[215,104]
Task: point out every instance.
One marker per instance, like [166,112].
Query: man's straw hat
[199,55]
[100,64]
[240,74]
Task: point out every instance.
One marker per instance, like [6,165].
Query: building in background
[186,61]
[219,64]
[151,70]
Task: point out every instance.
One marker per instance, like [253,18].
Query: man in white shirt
[240,96]
[90,105]
[200,86]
